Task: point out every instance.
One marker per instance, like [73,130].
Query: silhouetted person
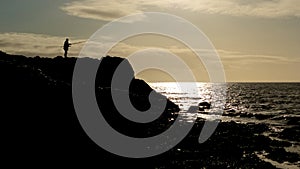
[66,47]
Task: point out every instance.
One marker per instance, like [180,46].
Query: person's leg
[66,53]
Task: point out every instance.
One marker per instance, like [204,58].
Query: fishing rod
[78,42]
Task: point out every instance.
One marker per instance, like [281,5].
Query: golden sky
[257,40]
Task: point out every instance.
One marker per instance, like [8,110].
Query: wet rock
[231,113]
[293,120]
[246,114]
[204,105]
[292,133]
[281,155]
[263,116]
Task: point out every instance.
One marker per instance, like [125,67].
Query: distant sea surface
[269,101]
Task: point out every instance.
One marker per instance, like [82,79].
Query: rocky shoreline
[39,124]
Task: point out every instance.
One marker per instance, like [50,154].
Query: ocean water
[275,104]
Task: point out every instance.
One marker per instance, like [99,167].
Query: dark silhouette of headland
[39,123]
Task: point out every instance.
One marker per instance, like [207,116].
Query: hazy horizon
[258,41]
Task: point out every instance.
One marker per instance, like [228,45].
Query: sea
[275,104]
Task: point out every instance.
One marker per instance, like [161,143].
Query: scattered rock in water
[231,113]
[281,155]
[204,105]
[263,116]
[246,114]
[291,133]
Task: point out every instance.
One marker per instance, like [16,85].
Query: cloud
[100,9]
[243,58]
[109,10]
[236,56]
[30,44]
[257,8]
[35,44]
[237,65]
[50,46]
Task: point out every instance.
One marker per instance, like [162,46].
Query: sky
[257,40]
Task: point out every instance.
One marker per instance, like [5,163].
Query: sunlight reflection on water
[186,96]
[243,103]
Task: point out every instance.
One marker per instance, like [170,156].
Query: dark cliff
[38,114]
